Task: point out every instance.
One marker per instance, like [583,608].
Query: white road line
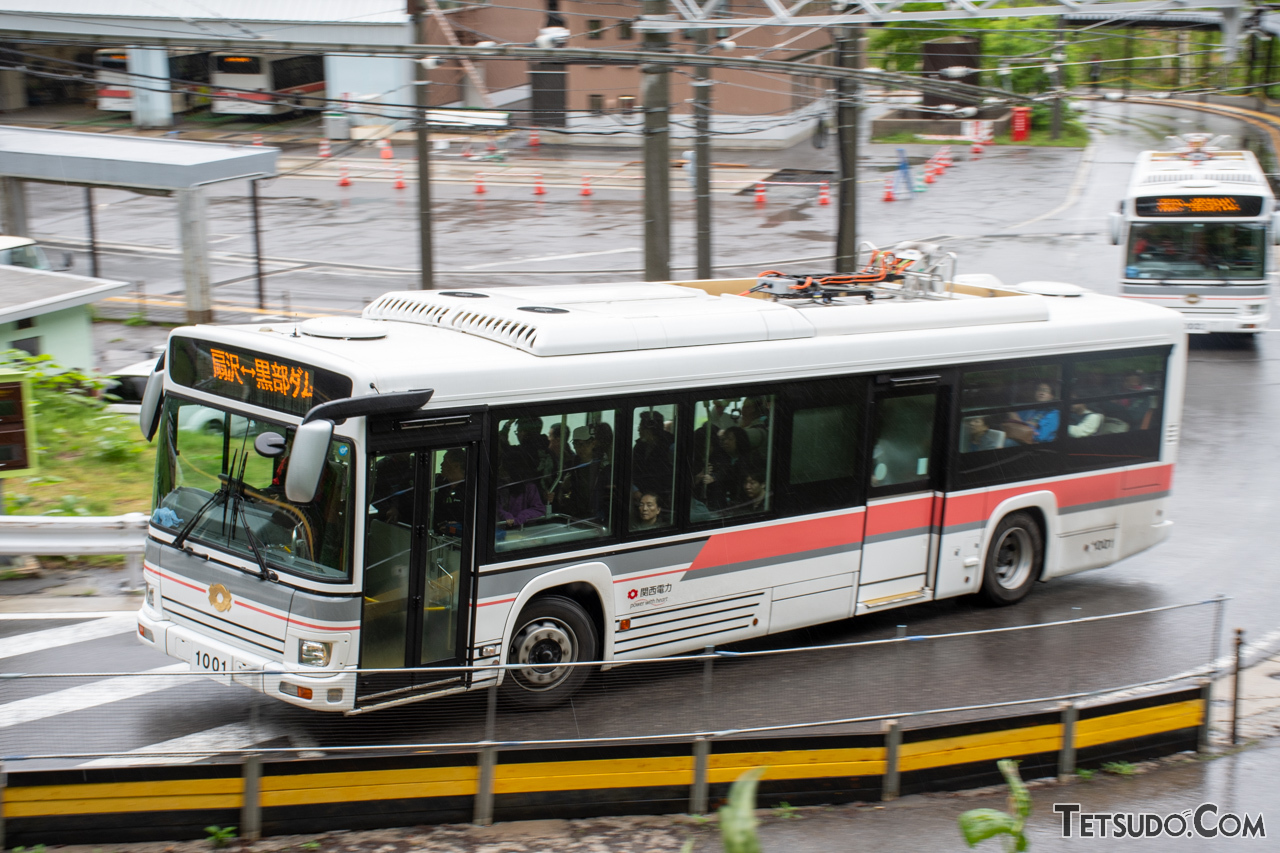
[35,615]
[90,695]
[52,638]
[205,744]
[555,257]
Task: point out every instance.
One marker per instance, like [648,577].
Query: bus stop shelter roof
[26,293]
[131,162]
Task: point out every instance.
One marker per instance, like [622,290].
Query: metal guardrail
[50,536]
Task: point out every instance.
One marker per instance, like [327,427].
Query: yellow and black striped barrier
[134,804]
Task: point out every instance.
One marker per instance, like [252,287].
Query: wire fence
[170,716]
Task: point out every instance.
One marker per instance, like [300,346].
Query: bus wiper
[237,512]
[218,496]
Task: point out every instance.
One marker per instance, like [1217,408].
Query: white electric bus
[188,75]
[543,475]
[1198,226]
[266,83]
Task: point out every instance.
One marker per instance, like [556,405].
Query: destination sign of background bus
[1199,228]
[520,480]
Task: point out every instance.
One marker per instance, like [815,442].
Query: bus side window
[732,457]
[653,460]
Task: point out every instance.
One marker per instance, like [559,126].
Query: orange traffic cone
[344,180]
[399,177]
[976,150]
[929,170]
[824,194]
[586,185]
[324,148]
[760,196]
[480,190]
[534,141]
[257,139]
[888,189]
[537,186]
[946,157]
[385,151]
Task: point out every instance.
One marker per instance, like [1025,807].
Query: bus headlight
[314,652]
[151,596]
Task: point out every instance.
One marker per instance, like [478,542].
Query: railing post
[1067,754]
[1235,690]
[701,762]
[708,668]
[488,759]
[890,787]
[1206,711]
[4,781]
[251,807]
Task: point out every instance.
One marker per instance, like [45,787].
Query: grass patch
[1074,135]
[91,461]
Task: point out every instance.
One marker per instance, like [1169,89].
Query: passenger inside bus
[519,492]
[584,491]
[978,435]
[449,492]
[1083,421]
[652,458]
[1034,426]
[649,514]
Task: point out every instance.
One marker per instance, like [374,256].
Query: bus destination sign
[1198,205]
[253,377]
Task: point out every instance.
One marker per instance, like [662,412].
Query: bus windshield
[212,484]
[1216,251]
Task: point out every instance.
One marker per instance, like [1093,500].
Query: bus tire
[1014,561]
[551,630]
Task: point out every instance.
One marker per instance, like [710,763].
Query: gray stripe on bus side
[624,563]
[897,534]
[743,566]
[1146,496]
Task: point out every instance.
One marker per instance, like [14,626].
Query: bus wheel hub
[544,645]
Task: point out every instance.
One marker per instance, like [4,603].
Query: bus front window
[212,484]
[1213,251]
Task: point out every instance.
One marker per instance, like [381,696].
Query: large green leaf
[980,824]
[738,816]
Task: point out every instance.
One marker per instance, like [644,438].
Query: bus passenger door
[904,490]
[417,569]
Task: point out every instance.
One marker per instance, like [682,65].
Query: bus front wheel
[1014,559]
[552,631]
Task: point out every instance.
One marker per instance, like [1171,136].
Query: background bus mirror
[306,461]
[152,397]
[1115,221]
[1275,227]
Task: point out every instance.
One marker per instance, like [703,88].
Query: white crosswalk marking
[204,745]
[84,696]
[66,635]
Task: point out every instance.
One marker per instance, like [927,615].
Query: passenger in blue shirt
[1041,425]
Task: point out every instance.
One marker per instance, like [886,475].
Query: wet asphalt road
[1019,213]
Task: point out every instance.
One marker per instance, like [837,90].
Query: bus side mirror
[306,461]
[1116,222]
[152,397]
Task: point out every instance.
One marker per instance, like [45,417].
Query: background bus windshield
[1216,251]
[198,446]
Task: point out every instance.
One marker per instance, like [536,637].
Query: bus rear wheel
[552,631]
[1015,558]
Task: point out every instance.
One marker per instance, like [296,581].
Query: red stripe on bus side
[182,582]
[779,540]
[966,509]
[114,93]
[499,601]
[923,512]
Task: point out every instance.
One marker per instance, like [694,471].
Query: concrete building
[50,313]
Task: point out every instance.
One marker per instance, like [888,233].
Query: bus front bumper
[334,690]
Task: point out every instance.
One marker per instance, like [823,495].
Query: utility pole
[702,157]
[422,144]
[847,135]
[657,157]
[1058,56]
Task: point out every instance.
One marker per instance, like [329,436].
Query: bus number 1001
[210,663]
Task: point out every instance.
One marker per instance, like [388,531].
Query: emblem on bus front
[220,598]
[1192,298]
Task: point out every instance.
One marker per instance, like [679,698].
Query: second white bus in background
[1198,226]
